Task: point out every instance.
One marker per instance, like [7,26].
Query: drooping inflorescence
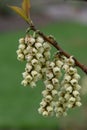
[60,76]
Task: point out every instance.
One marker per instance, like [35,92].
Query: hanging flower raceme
[36,52]
[59,75]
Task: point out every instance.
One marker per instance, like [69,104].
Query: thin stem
[56,45]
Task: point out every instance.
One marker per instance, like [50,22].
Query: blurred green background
[18,104]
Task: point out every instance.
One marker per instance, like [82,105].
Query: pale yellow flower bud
[41,110]
[69,89]
[49,75]
[49,109]
[72,99]
[55,81]
[24,74]
[28,57]
[72,70]
[24,82]
[76,93]
[45,93]
[76,76]
[34,51]
[39,56]
[21,40]
[28,78]
[19,51]
[65,67]
[47,54]
[40,39]
[54,92]
[56,70]
[32,84]
[34,73]
[38,67]
[45,113]
[77,87]
[52,64]
[38,45]
[49,87]
[21,46]
[28,67]
[31,40]
[46,46]
[74,82]
[59,63]
[48,98]
[20,57]
[34,62]
[43,103]
[78,104]
[67,78]
[67,96]
[70,105]
[71,61]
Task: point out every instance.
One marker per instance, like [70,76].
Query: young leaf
[20,12]
[26,7]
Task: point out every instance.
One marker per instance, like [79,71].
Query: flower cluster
[60,95]
[36,52]
[50,94]
[69,95]
[59,75]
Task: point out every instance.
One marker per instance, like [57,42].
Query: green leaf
[26,7]
[20,12]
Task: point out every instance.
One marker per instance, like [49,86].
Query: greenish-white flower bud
[28,67]
[28,57]
[49,75]
[56,70]
[28,78]
[41,110]
[49,87]
[67,78]
[72,99]
[59,63]
[34,73]
[34,62]
[21,41]
[49,109]
[76,93]
[24,82]
[45,113]
[31,40]
[39,56]
[24,74]
[38,45]
[43,103]
[45,93]
[22,46]
[55,81]
[20,57]
[72,70]
[19,51]
[65,67]
[70,61]
[48,98]
[46,46]
[78,104]
[74,82]
[76,76]
[40,39]
[69,89]
[52,64]
[54,92]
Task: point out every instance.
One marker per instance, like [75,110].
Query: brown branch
[56,45]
